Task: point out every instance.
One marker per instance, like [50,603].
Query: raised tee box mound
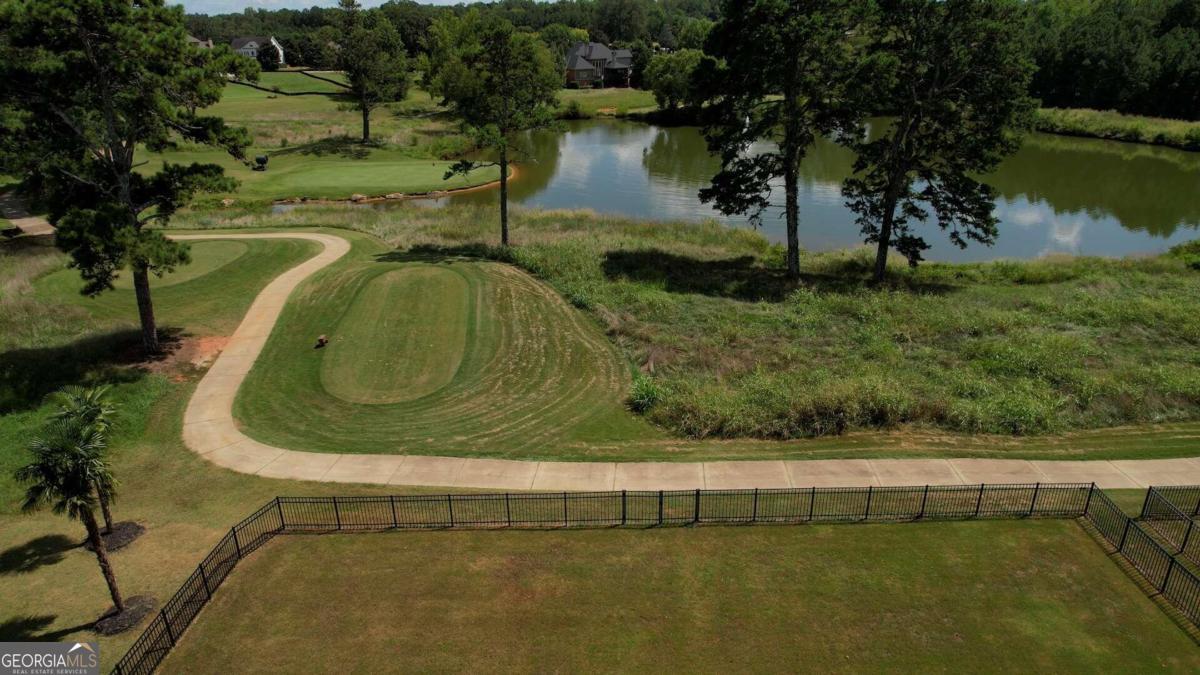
[283,515]
[402,338]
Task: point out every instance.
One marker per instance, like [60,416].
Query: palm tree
[68,465]
[89,406]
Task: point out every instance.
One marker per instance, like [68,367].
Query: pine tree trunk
[503,196]
[89,521]
[105,510]
[141,287]
[366,114]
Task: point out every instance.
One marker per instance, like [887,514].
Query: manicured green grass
[1005,348]
[335,170]
[610,101]
[1115,126]
[382,355]
[1003,596]
[435,355]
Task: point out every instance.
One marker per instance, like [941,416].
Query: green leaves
[954,75]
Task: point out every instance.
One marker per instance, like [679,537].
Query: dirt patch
[182,356]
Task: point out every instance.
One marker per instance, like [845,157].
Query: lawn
[730,350]
[335,169]
[611,101]
[1001,596]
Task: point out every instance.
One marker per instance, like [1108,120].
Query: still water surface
[1057,194]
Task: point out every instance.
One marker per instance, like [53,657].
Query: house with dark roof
[197,42]
[591,64]
[250,46]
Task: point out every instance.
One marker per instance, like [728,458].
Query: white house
[249,46]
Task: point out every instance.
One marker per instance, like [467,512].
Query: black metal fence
[1186,498]
[656,508]
[1162,512]
[1160,566]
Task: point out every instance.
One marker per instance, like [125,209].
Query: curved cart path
[210,430]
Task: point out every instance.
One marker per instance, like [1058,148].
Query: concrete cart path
[14,210]
[210,430]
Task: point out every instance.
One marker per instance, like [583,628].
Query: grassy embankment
[1114,126]
[731,349]
[1034,595]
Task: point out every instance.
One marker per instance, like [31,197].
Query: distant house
[249,46]
[591,64]
[203,44]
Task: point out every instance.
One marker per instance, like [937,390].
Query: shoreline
[513,173]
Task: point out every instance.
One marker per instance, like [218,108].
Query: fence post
[167,625]
[508,508]
[1146,501]
[867,511]
[623,507]
[236,544]
[696,512]
[279,508]
[337,513]
[979,500]
[754,510]
[564,509]
[1187,535]
[204,580]
[812,502]
[1124,533]
[924,498]
[660,507]
[1036,488]
[392,503]
[1087,505]
[1167,576]
[450,508]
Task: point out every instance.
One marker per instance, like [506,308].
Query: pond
[1057,194]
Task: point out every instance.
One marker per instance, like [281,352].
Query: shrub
[1188,252]
[646,393]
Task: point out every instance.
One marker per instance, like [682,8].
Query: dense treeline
[1134,56]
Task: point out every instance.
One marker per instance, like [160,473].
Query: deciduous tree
[954,74]
[90,84]
[500,83]
[783,72]
[669,76]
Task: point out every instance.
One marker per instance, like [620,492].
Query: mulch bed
[124,533]
[136,609]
